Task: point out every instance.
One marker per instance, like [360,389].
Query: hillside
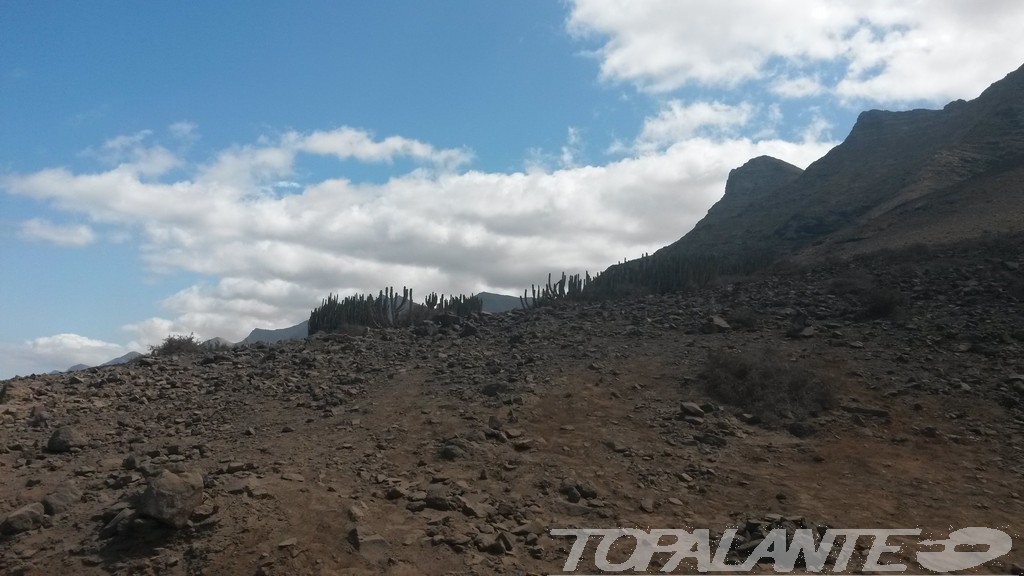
[397,454]
[899,178]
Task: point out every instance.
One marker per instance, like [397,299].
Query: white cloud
[571,150]
[884,51]
[570,155]
[184,131]
[346,142]
[75,235]
[797,87]
[818,128]
[678,122]
[153,331]
[274,256]
[131,153]
[57,352]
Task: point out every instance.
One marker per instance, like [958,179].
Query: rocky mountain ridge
[899,178]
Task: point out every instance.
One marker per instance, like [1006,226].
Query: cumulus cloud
[274,255]
[184,131]
[570,155]
[60,352]
[132,153]
[74,235]
[346,142]
[884,51]
[797,87]
[678,122]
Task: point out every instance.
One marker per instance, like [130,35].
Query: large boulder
[171,497]
[65,438]
[23,519]
[60,499]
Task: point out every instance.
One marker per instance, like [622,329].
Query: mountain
[217,343]
[77,367]
[297,332]
[899,178]
[123,359]
[498,303]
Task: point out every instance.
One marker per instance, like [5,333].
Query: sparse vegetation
[177,344]
[883,303]
[765,384]
[649,274]
[856,283]
[386,310]
[743,317]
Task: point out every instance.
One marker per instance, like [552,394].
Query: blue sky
[215,167]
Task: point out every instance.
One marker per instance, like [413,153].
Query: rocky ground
[455,449]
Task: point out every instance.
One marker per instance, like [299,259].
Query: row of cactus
[461,305]
[568,288]
[387,310]
[658,274]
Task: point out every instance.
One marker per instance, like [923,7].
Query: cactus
[386,310]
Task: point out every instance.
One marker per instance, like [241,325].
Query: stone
[119,523]
[38,417]
[801,429]
[497,544]
[720,323]
[647,504]
[170,498]
[371,546]
[806,332]
[532,527]
[64,439]
[60,499]
[23,519]
[473,509]
[865,410]
[586,490]
[691,409]
[437,498]
[452,452]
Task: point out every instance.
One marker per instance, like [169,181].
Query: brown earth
[456,453]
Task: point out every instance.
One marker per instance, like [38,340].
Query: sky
[212,167]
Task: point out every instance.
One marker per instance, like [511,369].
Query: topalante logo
[828,552]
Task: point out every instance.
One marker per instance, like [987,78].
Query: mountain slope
[900,177]
[497,303]
[123,359]
[297,332]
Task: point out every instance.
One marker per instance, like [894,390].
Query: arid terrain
[402,453]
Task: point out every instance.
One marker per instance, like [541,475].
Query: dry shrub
[743,317]
[765,384]
[857,283]
[883,303]
[177,345]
